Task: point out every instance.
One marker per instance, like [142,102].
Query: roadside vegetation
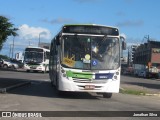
[133,92]
[6,29]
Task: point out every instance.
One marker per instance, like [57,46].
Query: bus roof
[90,29]
[89,25]
[38,48]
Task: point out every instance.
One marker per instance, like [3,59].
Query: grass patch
[132,92]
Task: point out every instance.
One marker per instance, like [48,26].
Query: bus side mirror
[124,45]
[44,56]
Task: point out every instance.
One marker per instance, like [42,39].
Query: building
[131,53]
[147,56]
[147,52]
[133,50]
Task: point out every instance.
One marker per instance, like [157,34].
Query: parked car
[20,64]
[1,62]
[9,64]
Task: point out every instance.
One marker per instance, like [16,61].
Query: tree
[6,29]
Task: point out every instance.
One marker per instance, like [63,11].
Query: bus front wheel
[107,95]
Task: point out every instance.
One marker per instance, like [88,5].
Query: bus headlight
[63,71]
[64,75]
[41,65]
[117,73]
[25,65]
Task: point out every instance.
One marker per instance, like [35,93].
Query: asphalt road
[40,96]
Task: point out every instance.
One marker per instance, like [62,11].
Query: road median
[137,90]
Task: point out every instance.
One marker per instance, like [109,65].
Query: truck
[145,71]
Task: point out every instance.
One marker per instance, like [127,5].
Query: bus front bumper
[110,86]
[37,68]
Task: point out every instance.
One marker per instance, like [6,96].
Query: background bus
[36,59]
[86,58]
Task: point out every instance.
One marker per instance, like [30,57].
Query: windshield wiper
[105,36]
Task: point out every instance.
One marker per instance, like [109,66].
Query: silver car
[9,64]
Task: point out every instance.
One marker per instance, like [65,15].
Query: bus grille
[89,81]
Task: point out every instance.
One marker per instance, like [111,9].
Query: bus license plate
[89,87]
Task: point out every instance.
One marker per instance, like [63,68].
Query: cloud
[58,21]
[28,35]
[27,32]
[129,23]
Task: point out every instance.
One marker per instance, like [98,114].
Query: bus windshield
[33,56]
[90,52]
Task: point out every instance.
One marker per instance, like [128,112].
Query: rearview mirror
[124,45]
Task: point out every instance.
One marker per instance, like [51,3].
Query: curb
[4,90]
[10,69]
[152,94]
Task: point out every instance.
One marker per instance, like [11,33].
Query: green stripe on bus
[79,74]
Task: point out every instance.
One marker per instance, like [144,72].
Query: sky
[42,19]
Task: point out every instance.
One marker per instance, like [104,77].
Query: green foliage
[133,92]
[6,29]
[4,57]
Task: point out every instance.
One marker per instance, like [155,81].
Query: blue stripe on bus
[104,75]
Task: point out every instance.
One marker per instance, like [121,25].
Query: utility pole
[147,37]
[13,47]
[10,50]
[39,40]
[128,61]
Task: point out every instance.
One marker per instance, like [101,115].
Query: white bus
[36,59]
[86,58]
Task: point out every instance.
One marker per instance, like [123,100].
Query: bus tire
[60,93]
[107,95]
[52,84]
[28,70]
[44,70]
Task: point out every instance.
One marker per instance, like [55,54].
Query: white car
[9,64]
